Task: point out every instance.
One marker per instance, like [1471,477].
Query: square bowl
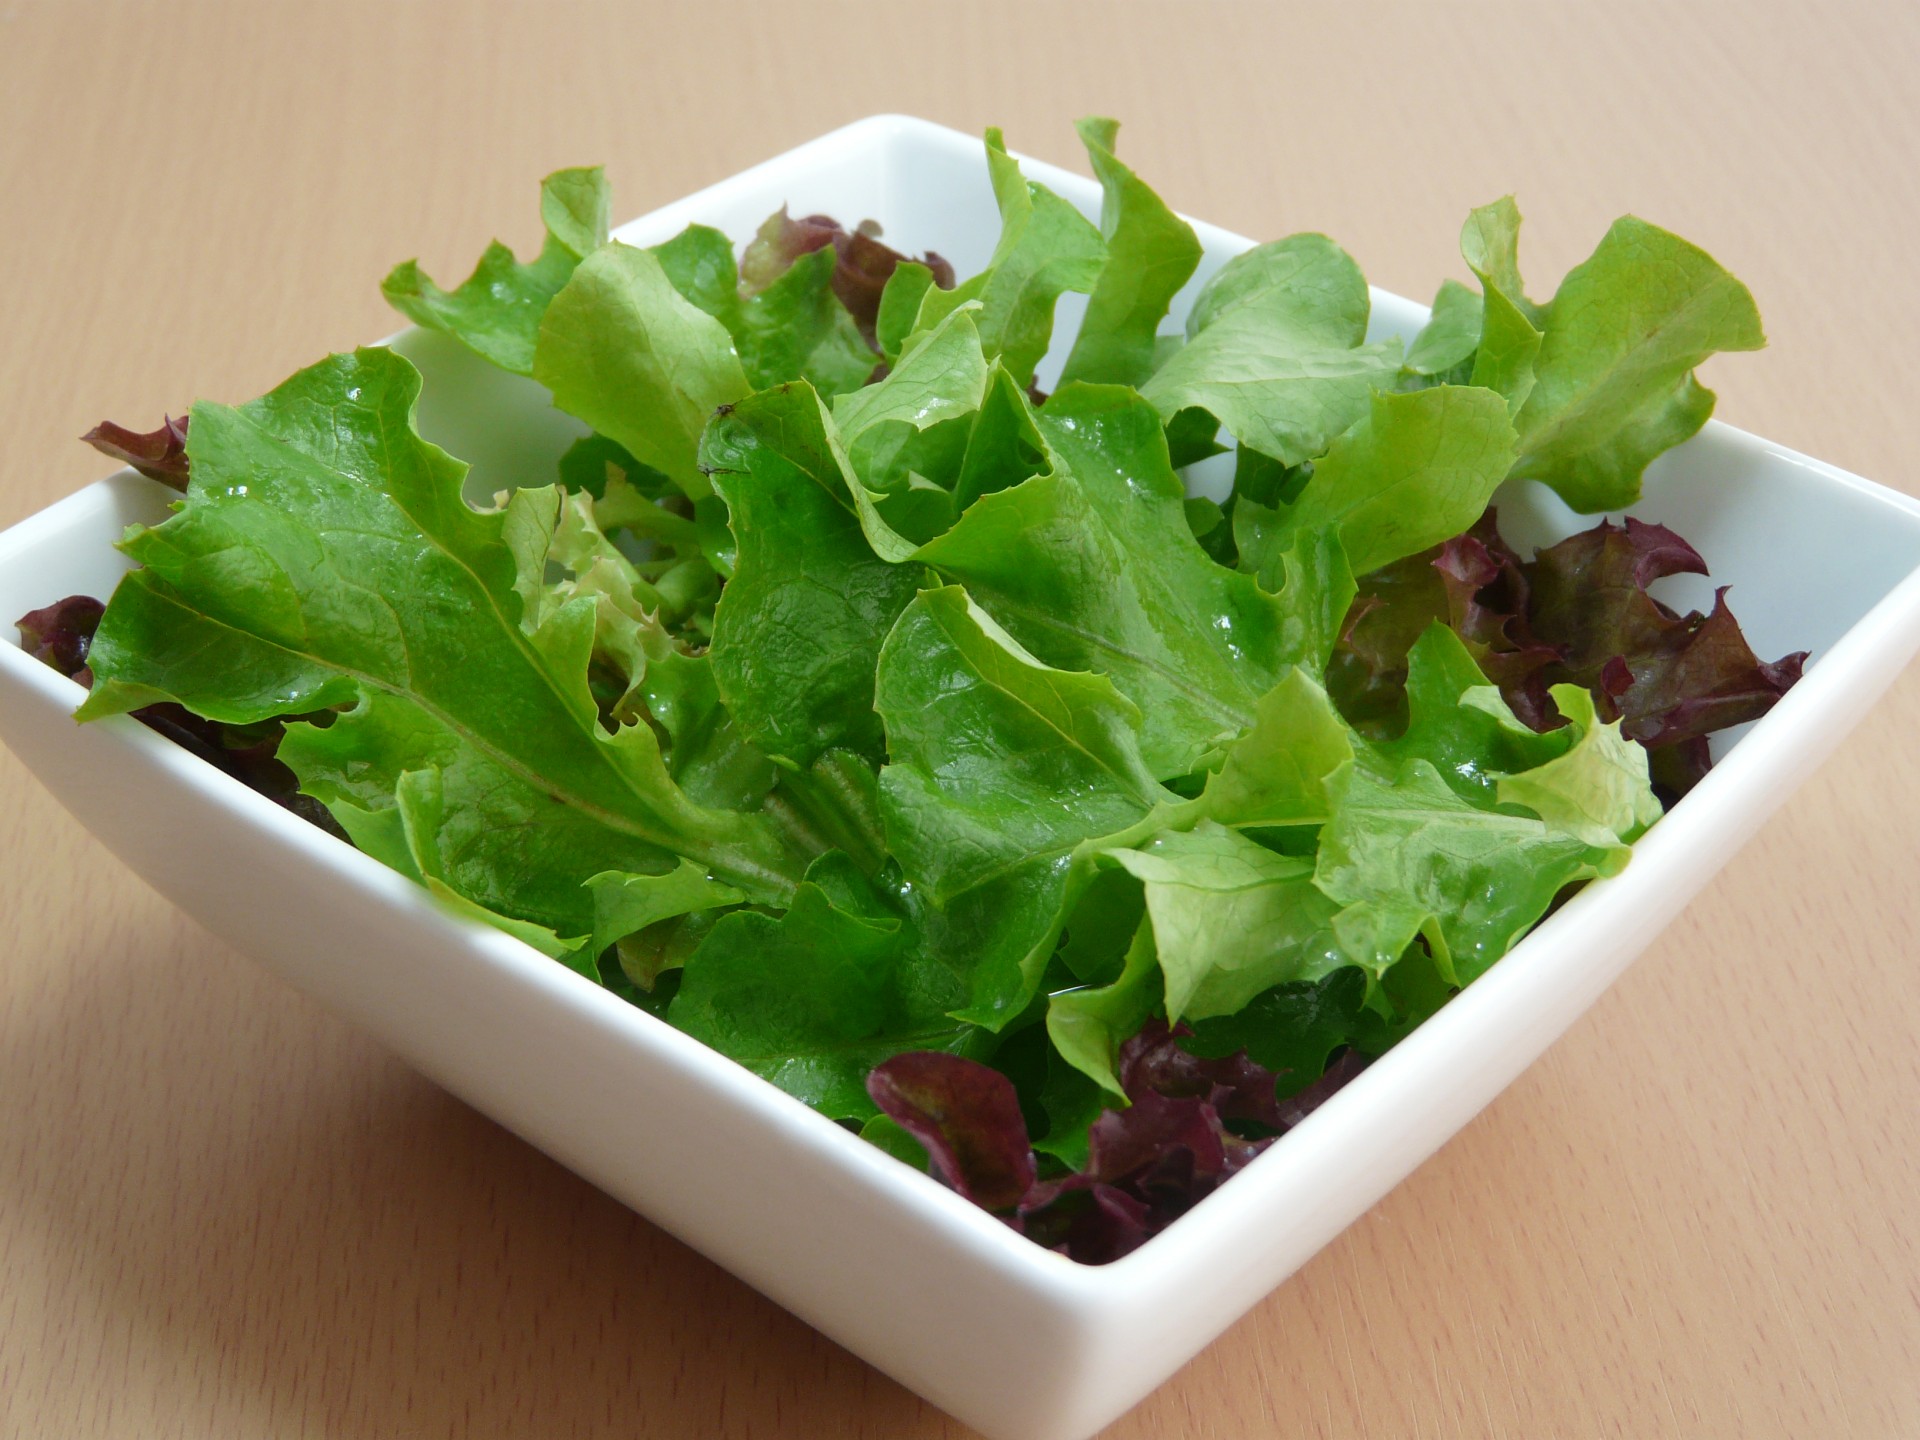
[1014,1340]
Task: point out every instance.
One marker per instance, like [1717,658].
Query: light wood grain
[223,1214]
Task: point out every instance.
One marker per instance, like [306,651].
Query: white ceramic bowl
[1012,1339]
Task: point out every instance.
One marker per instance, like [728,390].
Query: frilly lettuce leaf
[899,309]
[1613,386]
[1461,725]
[995,758]
[1151,253]
[883,432]
[324,557]
[1412,852]
[1275,350]
[1414,470]
[1600,379]
[1091,566]
[1510,323]
[1087,1025]
[1406,857]
[815,998]
[798,630]
[1292,1029]
[943,379]
[1599,791]
[791,326]
[1444,349]
[1275,773]
[625,904]
[1490,244]
[1004,443]
[1000,770]
[1230,918]
[797,329]
[496,311]
[1046,248]
[626,352]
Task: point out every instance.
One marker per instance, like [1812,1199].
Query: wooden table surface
[225,1214]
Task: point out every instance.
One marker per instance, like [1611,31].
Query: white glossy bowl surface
[1014,1340]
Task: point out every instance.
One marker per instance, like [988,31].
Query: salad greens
[912,737]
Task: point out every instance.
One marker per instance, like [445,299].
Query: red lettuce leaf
[1475,584]
[967,1115]
[1236,1088]
[1085,1219]
[157,454]
[862,263]
[1668,678]
[1578,613]
[61,635]
[1148,1164]
[1302,1103]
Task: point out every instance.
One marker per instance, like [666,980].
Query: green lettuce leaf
[628,631]
[324,557]
[1151,253]
[834,804]
[1490,244]
[1092,567]
[1275,350]
[813,999]
[1046,248]
[1509,323]
[626,352]
[944,378]
[1461,726]
[1290,1029]
[1408,857]
[699,263]
[900,305]
[876,430]
[1415,470]
[496,311]
[1004,443]
[1403,852]
[1001,768]
[1230,918]
[793,327]
[1444,349]
[1612,382]
[1598,791]
[798,629]
[1275,773]
[625,904]
[1089,1024]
